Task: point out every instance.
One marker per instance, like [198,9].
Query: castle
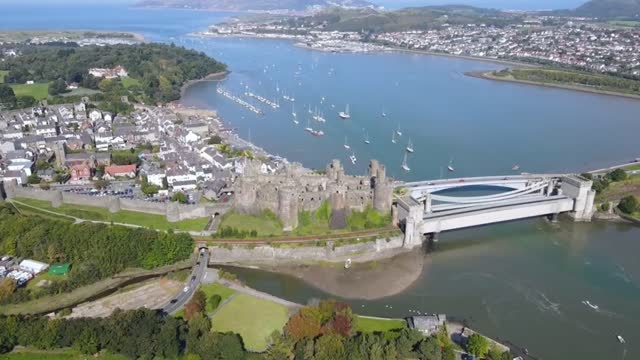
[295,189]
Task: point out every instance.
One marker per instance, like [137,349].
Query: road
[191,285]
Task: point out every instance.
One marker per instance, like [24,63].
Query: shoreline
[218,76]
[485,75]
[368,280]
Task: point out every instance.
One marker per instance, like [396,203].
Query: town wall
[174,212]
[360,252]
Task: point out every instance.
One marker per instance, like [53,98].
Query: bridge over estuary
[424,212]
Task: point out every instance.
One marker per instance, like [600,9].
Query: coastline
[218,76]
[364,281]
[486,76]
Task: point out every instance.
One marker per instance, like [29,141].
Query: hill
[416,18]
[610,9]
[243,5]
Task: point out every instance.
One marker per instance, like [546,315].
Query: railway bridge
[423,212]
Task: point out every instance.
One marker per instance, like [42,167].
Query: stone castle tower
[382,189]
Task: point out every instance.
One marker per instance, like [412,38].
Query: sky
[390,4]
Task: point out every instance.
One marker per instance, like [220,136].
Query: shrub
[214,301]
[628,204]
[617,175]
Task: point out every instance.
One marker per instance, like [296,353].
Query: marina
[238,101]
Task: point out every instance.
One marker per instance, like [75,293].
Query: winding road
[191,285]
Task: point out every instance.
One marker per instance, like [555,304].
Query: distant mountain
[610,9]
[243,5]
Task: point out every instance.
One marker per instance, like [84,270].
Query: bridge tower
[579,189]
[413,212]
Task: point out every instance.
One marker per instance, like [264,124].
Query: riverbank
[368,280]
[218,76]
[487,75]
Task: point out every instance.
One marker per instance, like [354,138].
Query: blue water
[523,281]
[484,127]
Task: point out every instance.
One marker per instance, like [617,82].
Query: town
[570,42]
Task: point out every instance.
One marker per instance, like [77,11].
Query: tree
[214,301]
[477,345]
[429,349]
[214,140]
[448,353]
[7,287]
[329,347]
[7,97]
[33,179]
[280,347]
[494,352]
[617,175]
[179,197]
[506,356]
[406,342]
[101,184]
[25,101]
[59,86]
[628,204]
[196,305]
[87,342]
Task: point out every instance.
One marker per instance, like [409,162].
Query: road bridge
[425,212]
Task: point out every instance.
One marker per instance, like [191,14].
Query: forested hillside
[160,70]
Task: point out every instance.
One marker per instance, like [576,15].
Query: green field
[3,73]
[215,288]
[80,92]
[254,319]
[62,354]
[629,23]
[264,225]
[128,82]
[152,221]
[632,167]
[367,324]
[39,91]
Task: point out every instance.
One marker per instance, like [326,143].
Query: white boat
[398,131]
[620,339]
[393,137]
[345,114]
[589,304]
[346,144]
[410,147]
[353,158]
[515,167]
[366,139]
[293,111]
[308,128]
[450,166]
[384,114]
[310,112]
[404,166]
[347,264]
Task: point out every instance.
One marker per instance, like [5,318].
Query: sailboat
[409,146]
[398,131]
[308,128]
[346,144]
[450,166]
[384,114]
[345,114]
[404,166]
[310,112]
[353,158]
[515,167]
[393,137]
[366,139]
[293,111]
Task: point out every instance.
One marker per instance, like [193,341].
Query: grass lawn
[80,92]
[264,225]
[33,284]
[254,319]
[632,167]
[39,91]
[617,190]
[34,212]
[128,82]
[3,73]
[215,288]
[58,354]
[152,221]
[366,324]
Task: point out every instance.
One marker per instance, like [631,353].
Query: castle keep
[294,189]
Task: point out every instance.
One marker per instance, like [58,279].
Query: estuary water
[523,281]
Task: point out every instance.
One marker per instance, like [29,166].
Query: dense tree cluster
[160,70]
[139,334]
[597,81]
[96,251]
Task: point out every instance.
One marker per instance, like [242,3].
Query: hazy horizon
[390,4]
